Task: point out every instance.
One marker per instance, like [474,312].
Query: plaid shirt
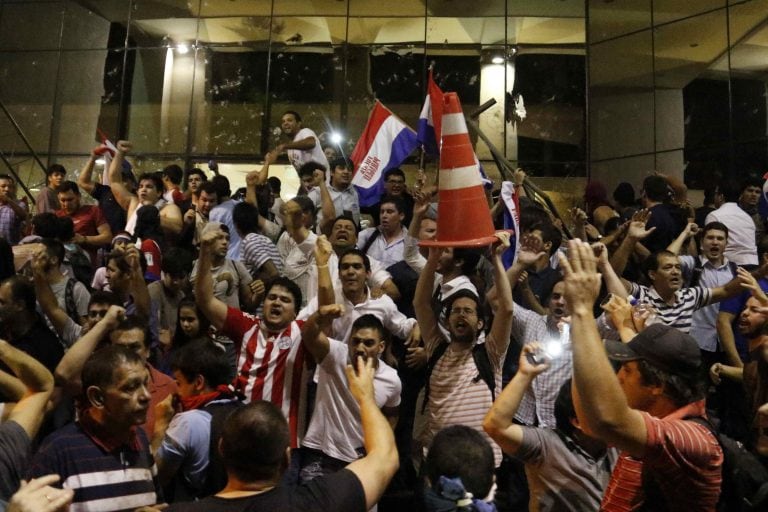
[538,404]
[9,225]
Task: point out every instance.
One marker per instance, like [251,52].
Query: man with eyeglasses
[455,395]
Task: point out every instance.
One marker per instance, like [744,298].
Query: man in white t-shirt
[304,146]
[335,435]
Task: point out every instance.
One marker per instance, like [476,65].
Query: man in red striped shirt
[270,356]
[668,461]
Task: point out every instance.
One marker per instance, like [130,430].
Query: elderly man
[129,332]
[104,457]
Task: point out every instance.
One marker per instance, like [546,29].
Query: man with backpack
[458,388]
[71,295]
[653,410]
[188,426]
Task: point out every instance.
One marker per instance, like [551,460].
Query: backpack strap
[698,268]
[482,363]
[484,368]
[215,473]
[368,243]
[69,299]
[431,362]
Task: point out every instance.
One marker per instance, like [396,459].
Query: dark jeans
[315,463]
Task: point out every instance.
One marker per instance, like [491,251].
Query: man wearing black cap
[668,461]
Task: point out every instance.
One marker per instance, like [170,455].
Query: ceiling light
[182,48]
[498,59]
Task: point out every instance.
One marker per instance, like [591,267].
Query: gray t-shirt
[227,279]
[562,476]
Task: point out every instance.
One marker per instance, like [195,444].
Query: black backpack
[216,473]
[482,363]
[744,486]
[81,266]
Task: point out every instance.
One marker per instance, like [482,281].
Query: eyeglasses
[463,311]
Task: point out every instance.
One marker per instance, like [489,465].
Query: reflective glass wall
[192,80]
[679,87]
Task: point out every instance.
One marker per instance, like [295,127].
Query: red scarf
[198,401]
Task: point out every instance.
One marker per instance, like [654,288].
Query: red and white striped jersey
[270,367]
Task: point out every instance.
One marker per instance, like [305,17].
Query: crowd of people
[169,344]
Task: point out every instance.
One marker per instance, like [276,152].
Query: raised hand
[331,311]
[124,146]
[530,250]
[582,280]
[525,366]
[360,377]
[323,250]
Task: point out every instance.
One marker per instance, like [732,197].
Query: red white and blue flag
[107,152]
[430,118]
[428,131]
[384,144]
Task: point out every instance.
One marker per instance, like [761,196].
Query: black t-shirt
[115,215]
[340,492]
[40,343]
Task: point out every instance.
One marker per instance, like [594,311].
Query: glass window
[224,8]
[229,109]
[31,26]
[691,100]
[159,98]
[389,8]
[665,11]
[612,19]
[310,7]
[555,8]
[81,105]
[29,98]
[621,97]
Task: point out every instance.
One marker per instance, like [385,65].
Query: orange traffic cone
[463,216]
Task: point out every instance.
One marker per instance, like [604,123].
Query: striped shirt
[256,250]
[457,397]
[270,367]
[123,479]
[679,313]
[684,459]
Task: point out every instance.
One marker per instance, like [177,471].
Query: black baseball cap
[665,347]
